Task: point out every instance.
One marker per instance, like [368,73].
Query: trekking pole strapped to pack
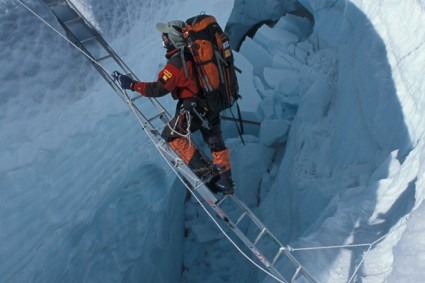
[213,60]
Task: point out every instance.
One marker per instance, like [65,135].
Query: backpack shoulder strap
[186,73]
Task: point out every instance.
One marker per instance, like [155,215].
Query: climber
[179,78]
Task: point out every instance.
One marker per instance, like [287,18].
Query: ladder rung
[297,272]
[222,200]
[88,39]
[54,3]
[137,97]
[277,255]
[259,236]
[156,116]
[103,58]
[73,20]
[240,218]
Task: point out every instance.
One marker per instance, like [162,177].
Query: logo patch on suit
[166,76]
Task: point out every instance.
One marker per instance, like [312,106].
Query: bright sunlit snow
[337,161]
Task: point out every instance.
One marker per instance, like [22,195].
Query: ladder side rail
[154,101]
[143,120]
[191,177]
[97,36]
[211,201]
[209,198]
[244,207]
[256,221]
[50,3]
[206,194]
[260,256]
[73,38]
[127,70]
[146,124]
[116,58]
[101,71]
[286,252]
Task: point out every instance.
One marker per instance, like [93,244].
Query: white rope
[215,221]
[188,119]
[177,160]
[360,264]
[158,147]
[369,245]
[328,247]
[64,37]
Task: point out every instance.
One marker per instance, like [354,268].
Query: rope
[369,245]
[360,264]
[158,147]
[64,37]
[176,160]
[215,221]
[327,247]
[188,119]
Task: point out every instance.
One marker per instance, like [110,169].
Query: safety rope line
[158,147]
[215,221]
[63,36]
[176,159]
[360,264]
[188,119]
[369,245]
[327,247]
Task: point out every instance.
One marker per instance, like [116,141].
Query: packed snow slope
[338,159]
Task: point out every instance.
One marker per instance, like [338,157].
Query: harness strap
[201,117]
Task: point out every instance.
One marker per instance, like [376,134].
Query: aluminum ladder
[86,37]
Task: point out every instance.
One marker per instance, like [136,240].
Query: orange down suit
[185,89]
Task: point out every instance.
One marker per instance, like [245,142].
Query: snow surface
[338,159]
